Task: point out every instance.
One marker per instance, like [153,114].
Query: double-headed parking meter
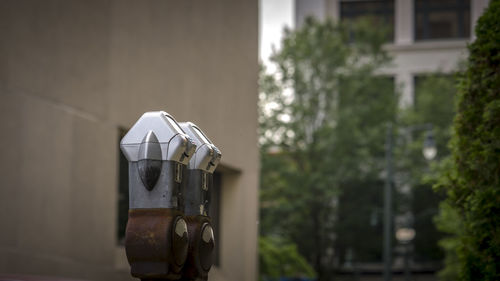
[156,239]
[196,204]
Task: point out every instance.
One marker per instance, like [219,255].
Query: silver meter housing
[158,152]
[200,171]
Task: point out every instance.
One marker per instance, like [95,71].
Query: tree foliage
[471,177]
[433,104]
[278,258]
[448,221]
[323,116]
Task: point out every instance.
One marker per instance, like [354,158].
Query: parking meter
[156,238]
[199,182]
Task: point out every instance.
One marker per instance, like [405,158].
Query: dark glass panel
[444,19]
[381,12]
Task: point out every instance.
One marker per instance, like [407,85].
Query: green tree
[278,258]
[471,177]
[322,122]
[448,221]
[433,104]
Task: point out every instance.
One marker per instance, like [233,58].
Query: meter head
[158,151]
[207,156]
[175,145]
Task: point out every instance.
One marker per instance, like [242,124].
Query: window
[443,19]
[434,88]
[214,213]
[380,11]
[122,191]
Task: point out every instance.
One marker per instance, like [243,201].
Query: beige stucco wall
[71,74]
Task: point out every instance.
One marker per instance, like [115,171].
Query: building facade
[425,36]
[75,75]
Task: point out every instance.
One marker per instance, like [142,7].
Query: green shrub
[473,180]
[280,258]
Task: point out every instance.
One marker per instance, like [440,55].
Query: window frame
[385,15]
[461,8]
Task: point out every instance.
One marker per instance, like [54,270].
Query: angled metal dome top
[207,155]
[175,145]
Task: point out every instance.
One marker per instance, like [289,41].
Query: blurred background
[356,104]
[333,118]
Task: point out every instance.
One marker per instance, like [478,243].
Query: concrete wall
[71,74]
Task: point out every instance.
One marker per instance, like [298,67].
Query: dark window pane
[359,213]
[424,207]
[435,3]
[122,191]
[466,20]
[381,12]
[442,19]
[214,213]
[431,84]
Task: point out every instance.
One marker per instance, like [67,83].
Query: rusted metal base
[154,250]
[201,251]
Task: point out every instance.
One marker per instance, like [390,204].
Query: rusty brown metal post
[154,249]
[201,248]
